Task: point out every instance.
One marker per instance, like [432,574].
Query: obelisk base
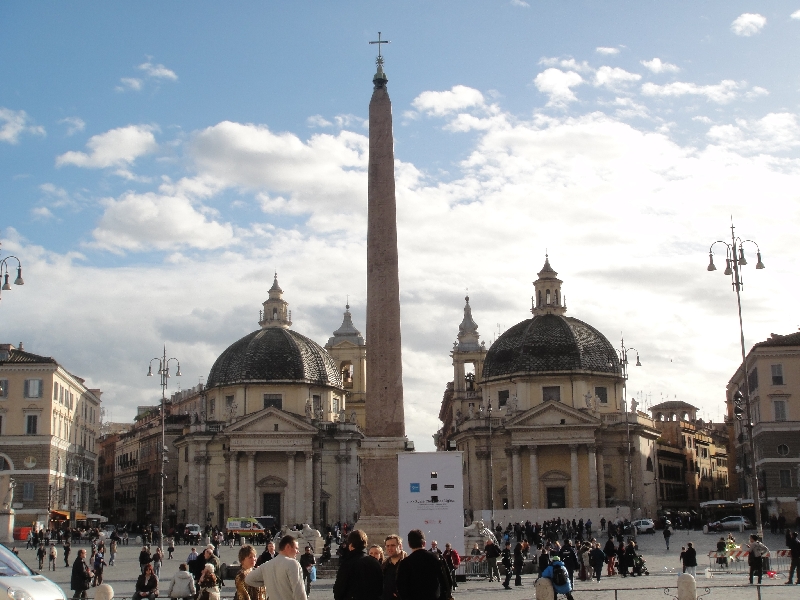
[379,496]
[7,525]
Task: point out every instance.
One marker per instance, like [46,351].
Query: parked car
[645,526]
[18,582]
[730,524]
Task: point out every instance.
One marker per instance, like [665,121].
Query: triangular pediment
[264,422]
[552,414]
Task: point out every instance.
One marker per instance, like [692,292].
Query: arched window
[274,314]
[539,303]
[547,297]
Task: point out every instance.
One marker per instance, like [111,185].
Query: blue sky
[159,161]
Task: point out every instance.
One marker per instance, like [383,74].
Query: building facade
[691,459]
[541,418]
[774,383]
[276,433]
[49,424]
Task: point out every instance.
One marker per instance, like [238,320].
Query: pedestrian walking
[667,535]
[158,559]
[394,554]
[755,559]
[307,562]
[144,558]
[419,575]
[506,562]
[41,552]
[112,548]
[690,560]
[610,550]
[453,561]
[81,576]
[52,557]
[281,578]
[247,561]
[596,559]
[67,549]
[492,553]
[794,549]
[359,576]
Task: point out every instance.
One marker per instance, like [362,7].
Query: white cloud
[748,24]
[157,71]
[152,221]
[569,64]
[702,119]
[558,85]
[657,66]
[606,50]
[796,15]
[520,3]
[756,92]
[318,121]
[15,122]
[614,77]
[74,124]
[129,83]
[114,148]
[454,100]
[776,132]
[42,213]
[721,93]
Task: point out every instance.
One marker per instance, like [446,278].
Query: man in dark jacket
[492,554]
[519,561]
[570,560]
[268,554]
[794,548]
[419,575]
[360,576]
[307,561]
[394,554]
[506,562]
[81,575]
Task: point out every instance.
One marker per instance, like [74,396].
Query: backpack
[560,576]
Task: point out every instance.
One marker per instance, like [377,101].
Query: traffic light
[738,409]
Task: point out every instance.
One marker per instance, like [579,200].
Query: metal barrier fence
[777,561]
[473,567]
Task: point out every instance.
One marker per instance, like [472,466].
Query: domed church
[279,432]
[541,419]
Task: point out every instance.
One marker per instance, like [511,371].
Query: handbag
[312,575]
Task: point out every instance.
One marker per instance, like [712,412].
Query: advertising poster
[431,497]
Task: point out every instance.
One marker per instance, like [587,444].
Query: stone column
[202,489]
[309,495]
[484,484]
[233,484]
[316,509]
[291,490]
[592,477]
[601,478]
[250,493]
[626,476]
[509,478]
[341,463]
[534,467]
[576,491]
[516,465]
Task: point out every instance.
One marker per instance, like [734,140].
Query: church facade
[542,421]
[279,428]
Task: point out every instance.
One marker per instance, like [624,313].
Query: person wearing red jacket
[453,560]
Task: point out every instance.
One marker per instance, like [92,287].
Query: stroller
[639,566]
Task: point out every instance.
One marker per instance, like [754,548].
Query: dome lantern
[547,289]
[276,313]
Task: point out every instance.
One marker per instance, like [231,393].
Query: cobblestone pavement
[663,565]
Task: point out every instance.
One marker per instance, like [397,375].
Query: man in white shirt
[281,577]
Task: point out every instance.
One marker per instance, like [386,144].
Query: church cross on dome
[547,298]
[380,80]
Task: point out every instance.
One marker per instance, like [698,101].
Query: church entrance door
[556,497]
[272,507]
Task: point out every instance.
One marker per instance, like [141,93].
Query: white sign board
[431,497]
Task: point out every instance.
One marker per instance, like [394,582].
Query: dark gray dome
[275,354]
[549,343]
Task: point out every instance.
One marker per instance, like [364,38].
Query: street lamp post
[734,260]
[5,272]
[163,371]
[622,354]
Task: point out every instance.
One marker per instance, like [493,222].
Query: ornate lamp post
[622,355]
[163,371]
[5,271]
[734,260]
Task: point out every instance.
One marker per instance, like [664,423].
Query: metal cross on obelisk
[379,42]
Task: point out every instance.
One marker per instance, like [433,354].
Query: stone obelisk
[385,427]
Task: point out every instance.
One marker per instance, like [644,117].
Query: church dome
[548,343]
[274,354]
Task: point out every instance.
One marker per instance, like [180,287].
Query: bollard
[687,587]
[544,589]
